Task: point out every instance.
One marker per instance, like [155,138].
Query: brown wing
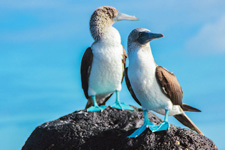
[85,69]
[130,88]
[124,62]
[169,85]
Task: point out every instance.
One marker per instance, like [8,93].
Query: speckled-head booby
[152,86]
[103,64]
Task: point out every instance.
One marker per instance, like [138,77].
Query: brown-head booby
[152,86]
[103,64]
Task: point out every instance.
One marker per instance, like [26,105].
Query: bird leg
[164,125]
[119,105]
[147,124]
[96,107]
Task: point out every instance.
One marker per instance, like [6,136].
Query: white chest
[107,68]
[141,72]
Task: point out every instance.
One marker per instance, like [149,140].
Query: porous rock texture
[109,130]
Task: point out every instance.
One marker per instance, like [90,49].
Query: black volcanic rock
[108,130]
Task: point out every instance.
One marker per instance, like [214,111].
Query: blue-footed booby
[103,64]
[152,86]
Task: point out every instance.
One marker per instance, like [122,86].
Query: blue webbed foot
[164,125]
[161,127]
[96,108]
[154,128]
[119,105]
[140,130]
[122,106]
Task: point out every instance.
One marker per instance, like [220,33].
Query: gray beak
[146,37]
[122,16]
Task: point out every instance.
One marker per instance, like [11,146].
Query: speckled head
[142,36]
[104,17]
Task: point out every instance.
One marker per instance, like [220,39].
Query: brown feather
[183,118]
[124,62]
[169,85]
[130,87]
[85,70]
[186,107]
[171,88]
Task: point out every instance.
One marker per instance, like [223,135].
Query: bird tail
[183,118]
[186,107]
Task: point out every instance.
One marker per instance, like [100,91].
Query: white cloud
[210,39]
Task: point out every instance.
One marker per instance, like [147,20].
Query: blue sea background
[42,43]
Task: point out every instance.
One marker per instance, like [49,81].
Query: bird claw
[96,108]
[122,106]
[161,127]
[140,130]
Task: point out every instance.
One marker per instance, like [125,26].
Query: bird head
[104,17]
[109,15]
[142,36]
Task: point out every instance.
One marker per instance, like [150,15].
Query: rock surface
[108,131]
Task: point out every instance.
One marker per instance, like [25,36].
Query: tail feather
[183,118]
[190,108]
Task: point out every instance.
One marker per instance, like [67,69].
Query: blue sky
[42,43]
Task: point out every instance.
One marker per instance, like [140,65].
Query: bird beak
[152,36]
[148,36]
[122,16]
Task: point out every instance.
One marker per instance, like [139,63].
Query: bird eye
[140,34]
